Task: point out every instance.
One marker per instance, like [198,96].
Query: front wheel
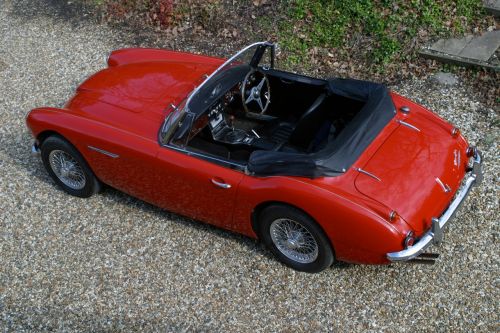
[295,239]
[68,168]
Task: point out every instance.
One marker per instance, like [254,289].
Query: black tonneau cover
[341,153]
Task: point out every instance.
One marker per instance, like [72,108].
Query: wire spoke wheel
[294,240]
[67,169]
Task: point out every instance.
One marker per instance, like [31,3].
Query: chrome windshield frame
[227,62]
[164,140]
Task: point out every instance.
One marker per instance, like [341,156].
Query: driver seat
[302,132]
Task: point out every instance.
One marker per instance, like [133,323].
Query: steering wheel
[256,92]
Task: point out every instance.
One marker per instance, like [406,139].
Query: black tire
[279,214]
[57,146]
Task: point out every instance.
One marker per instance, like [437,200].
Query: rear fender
[415,108]
[357,233]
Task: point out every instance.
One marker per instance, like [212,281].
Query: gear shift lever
[231,121]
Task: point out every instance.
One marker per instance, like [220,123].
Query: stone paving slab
[452,45]
[465,62]
[482,48]
[469,50]
[492,6]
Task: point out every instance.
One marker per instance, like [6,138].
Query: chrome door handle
[220,184]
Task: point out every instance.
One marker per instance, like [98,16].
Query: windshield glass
[226,76]
[172,120]
[216,85]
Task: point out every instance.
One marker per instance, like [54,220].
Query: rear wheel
[295,238]
[68,168]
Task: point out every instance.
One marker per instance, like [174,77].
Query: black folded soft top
[345,149]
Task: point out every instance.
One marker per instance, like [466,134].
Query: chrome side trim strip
[206,157]
[435,234]
[404,123]
[107,153]
[368,174]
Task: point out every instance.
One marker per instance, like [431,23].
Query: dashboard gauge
[215,115]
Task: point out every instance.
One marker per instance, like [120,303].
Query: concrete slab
[452,45]
[467,51]
[492,7]
[483,47]
[466,62]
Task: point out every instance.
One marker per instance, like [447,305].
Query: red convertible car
[318,170]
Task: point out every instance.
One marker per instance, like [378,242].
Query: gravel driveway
[116,263]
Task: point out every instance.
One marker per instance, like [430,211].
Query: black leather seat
[302,132]
[307,127]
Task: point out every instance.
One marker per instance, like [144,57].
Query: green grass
[380,32]
[389,25]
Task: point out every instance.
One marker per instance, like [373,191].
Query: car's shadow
[252,245]
[18,148]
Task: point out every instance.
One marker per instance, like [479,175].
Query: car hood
[419,168]
[146,87]
[135,96]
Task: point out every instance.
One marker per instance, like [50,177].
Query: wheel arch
[263,205]
[44,135]
[52,140]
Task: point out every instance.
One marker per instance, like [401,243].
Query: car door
[162,176]
[196,187]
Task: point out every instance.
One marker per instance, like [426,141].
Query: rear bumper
[435,234]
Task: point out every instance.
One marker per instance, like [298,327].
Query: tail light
[471,154]
[471,151]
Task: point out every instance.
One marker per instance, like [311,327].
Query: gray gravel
[115,263]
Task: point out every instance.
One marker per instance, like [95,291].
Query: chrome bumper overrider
[435,234]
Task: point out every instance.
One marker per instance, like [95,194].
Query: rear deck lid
[419,169]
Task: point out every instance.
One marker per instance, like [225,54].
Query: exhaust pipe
[425,258]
